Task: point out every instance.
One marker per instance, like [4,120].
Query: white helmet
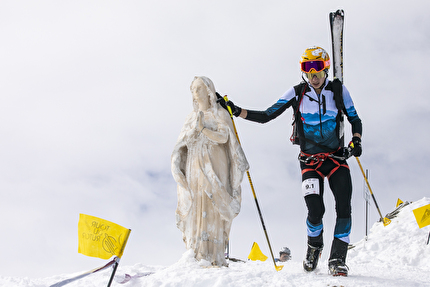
[285,250]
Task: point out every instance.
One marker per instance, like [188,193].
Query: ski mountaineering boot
[337,267]
[336,262]
[313,254]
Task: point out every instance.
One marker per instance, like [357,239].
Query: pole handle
[228,107]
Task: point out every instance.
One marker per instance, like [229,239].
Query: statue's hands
[200,121]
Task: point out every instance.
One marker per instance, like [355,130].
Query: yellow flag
[256,253]
[422,215]
[101,238]
[399,201]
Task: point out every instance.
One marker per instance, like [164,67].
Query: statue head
[203,91]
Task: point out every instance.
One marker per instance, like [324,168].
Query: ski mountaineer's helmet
[315,59]
[285,250]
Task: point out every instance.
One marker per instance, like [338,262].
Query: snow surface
[394,255]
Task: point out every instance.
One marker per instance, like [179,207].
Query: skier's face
[284,257]
[316,79]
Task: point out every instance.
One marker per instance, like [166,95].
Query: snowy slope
[395,255]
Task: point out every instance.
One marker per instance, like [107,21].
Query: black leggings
[339,179]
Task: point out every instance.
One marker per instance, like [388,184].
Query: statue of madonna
[208,165]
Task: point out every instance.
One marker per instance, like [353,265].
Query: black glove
[354,147]
[221,101]
[235,110]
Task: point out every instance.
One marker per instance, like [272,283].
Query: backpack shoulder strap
[300,90]
[337,92]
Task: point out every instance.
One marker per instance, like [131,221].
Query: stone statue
[208,165]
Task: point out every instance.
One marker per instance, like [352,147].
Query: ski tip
[339,12]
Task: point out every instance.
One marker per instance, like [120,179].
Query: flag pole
[115,266]
[117,259]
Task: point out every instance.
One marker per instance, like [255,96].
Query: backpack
[336,87]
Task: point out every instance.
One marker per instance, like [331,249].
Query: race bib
[310,186]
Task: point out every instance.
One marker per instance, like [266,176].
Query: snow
[392,255]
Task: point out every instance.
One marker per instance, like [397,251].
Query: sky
[94,95]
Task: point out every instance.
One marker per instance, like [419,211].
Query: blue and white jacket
[320,120]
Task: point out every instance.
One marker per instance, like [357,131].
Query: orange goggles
[315,66]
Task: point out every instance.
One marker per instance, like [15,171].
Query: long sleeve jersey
[320,120]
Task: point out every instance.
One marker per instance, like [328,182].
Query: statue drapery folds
[208,165]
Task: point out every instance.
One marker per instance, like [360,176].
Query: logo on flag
[101,238]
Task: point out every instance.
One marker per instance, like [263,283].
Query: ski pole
[278,268]
[384,220]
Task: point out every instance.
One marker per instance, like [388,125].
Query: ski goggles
[316,66]
[319,75]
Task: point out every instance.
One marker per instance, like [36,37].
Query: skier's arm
[356,125]
[264,116]
[267,115]
[351,114]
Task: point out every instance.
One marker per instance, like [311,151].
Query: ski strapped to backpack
[300,90]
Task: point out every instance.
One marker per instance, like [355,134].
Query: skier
[319,122]
[284,255]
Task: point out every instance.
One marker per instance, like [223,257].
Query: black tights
[339,179]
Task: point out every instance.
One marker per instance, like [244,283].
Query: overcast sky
[94,94]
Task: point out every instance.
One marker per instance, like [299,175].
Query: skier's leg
[341,186]
[312,187]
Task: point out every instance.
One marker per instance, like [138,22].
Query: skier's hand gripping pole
[278,268]
[384,220]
